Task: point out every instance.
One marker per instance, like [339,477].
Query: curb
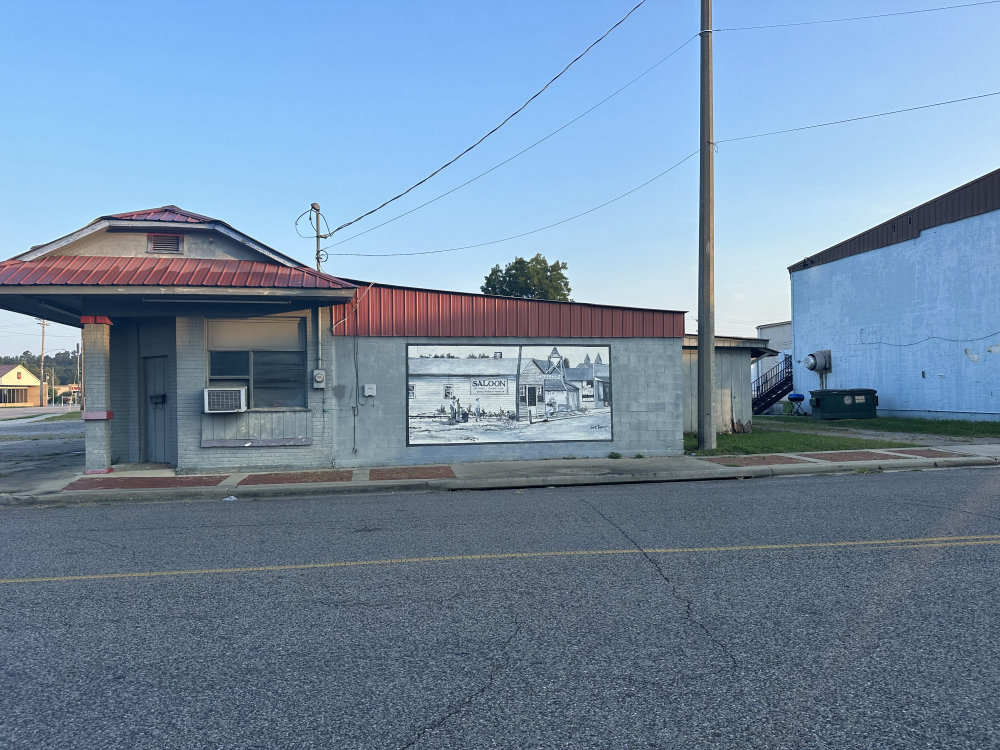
[257,492]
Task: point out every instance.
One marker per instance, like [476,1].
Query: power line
[859,18]
[532,231]
[515,156]
[494,130]
[858,119]
[666,171]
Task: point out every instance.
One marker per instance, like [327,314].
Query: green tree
[532,279]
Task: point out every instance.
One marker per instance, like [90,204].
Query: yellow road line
[936,541]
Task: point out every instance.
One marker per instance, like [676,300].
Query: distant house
[432,382]
[910,308]
[18,387]
[593,382]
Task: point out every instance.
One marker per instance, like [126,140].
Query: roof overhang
[756,347]
[66,304]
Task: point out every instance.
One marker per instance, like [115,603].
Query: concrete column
[97,385]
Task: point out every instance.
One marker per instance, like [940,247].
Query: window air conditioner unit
[225,400]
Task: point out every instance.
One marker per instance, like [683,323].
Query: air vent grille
[165,243]
[223,400]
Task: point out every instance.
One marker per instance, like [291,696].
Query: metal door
[154,374]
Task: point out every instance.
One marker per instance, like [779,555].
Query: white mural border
[473,394]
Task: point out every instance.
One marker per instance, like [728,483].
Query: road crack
[458,706]
[685,601]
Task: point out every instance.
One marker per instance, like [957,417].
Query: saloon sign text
[484,386]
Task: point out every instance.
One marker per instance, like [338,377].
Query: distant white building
[910,308]
[779,338]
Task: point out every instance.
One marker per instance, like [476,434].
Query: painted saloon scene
[512,394]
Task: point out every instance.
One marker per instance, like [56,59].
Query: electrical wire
[309,211]
[661,174]
[858,18]
[532,231]
[522,151]
[495,129]
[297,220]
[857,119]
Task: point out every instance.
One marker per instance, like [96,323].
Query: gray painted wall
[646,378]
[347,431]
[197,244]
[261,429]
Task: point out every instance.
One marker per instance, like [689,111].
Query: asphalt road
[33,449]
[704,615]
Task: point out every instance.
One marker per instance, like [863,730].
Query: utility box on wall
[850,403]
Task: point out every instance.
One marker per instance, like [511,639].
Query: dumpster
[846,403]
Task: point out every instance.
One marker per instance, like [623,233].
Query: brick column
[97,393]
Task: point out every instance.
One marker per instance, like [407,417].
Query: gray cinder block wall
[268,440]
[97,344]
[647,408]
[348,430]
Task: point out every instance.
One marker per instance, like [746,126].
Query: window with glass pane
[278,379]
[229,364]
[266,355]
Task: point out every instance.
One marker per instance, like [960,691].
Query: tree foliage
[532,279]
[62,364]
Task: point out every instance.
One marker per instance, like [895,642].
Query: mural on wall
[507,394]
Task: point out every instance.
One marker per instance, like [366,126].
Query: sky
[249,112]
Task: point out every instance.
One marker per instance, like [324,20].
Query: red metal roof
[164,213]
[381,310]
[86,270]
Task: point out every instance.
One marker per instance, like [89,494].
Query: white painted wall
[779,336]
[918,321]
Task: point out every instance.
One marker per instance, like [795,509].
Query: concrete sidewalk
[156,483]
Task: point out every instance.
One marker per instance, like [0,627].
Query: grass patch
[784,442]
[33,438]
[63,417]
[69,416]
[951,427]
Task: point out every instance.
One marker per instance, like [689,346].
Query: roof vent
[165,243]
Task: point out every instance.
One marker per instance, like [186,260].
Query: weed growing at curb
[614,454]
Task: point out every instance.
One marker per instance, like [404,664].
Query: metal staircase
[773,385]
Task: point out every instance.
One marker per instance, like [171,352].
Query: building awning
[63,288]
[757,348]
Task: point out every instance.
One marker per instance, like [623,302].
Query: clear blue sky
[250,111]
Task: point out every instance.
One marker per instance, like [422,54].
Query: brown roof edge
[980,196]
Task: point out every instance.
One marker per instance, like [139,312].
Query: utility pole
[43,396]
[319,251]
[706,243]
[79,367]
